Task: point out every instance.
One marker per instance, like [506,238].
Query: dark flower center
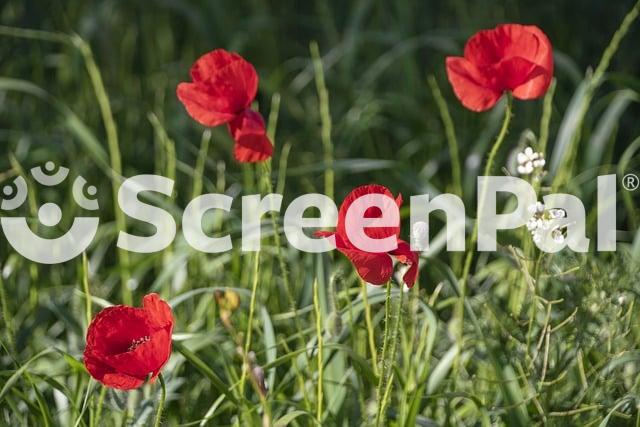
[138,342]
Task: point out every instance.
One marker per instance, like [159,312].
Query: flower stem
[385,346]
[391,328]
[163,397]
[474,235]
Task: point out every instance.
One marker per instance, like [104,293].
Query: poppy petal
[108,376]
[251,141]
[122,381]
[524,78]
[158,311]
[472,89]
[145,358]
[114,328]
[528,42]
[375,268]
[374,212]
[202,106]
[237,84]
[227,76]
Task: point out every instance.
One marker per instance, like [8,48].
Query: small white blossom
[529,161]
[542,220]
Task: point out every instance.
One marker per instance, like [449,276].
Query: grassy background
[561,350]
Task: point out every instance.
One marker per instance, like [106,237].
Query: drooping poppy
[511,57]
[223,87]
[128,345]
[374,267]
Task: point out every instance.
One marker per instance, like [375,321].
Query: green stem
[391,329]
[474,235]
[163,397]
[385,349]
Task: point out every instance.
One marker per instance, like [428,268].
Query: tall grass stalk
[98,408]
[85,287]
[249,330]
[454,152]
[371,337]
[385,348]
[320,352]
[114,154]
[325,119]
[198,172]
[450,133]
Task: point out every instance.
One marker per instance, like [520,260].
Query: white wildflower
[529,161]
[542,220]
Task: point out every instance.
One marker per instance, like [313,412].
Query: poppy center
[138,342]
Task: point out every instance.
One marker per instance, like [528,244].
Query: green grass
[353,93]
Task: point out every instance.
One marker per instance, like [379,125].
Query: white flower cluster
[529,160]
[542,221]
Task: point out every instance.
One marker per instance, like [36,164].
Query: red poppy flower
[510,57]
[126,345]
[375,268]
[223,88]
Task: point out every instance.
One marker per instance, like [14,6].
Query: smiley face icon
[43,250]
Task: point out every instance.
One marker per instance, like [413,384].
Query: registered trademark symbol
[631,182]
